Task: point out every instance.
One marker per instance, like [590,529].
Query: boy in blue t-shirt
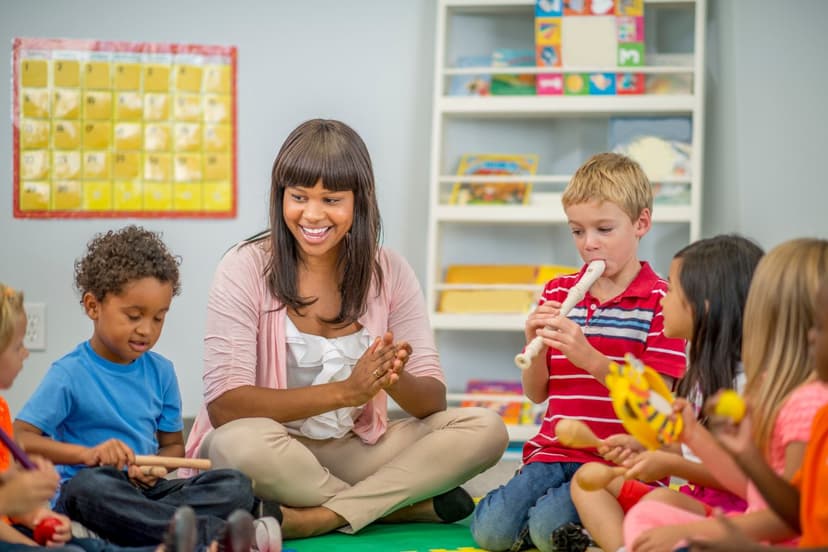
[112,398]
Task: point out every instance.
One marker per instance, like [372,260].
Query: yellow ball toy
[730,405]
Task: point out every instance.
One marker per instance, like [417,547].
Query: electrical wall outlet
[35,339]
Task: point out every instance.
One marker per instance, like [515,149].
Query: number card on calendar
[123,129]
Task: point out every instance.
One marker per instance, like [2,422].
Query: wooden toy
[643,403]
[172,462]
[576,293]
[576,434]
[157,471]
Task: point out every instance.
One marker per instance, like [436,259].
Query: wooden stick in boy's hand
[576,434]
[172,462]
[155,471]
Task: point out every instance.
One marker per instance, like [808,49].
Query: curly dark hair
[118,257]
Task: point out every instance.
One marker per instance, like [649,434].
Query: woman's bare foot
[298,523]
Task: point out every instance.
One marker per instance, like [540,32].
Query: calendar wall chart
[122,129]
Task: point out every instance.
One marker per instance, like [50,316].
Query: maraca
[730,405]
[576,434]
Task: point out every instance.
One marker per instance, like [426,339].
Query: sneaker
[268,535]
[571,537]
[181,534]
[269,508]
[238,533]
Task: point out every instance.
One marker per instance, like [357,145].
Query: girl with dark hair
[311,327]
[708,286]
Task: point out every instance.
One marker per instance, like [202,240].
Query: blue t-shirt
[85,400]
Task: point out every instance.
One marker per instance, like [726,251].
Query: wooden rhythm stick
[576,293]
[576,434]
[172,462]
[157,471]
[593,475]
[16,451]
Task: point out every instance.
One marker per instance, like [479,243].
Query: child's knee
[490,534]
[229,477]
[493,527]
[542,523]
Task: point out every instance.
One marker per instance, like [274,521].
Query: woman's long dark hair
[332,152]
[715,276]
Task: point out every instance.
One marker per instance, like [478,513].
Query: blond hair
[611,177]
[11,309]
[779,312]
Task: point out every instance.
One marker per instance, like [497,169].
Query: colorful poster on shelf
[587,34]
[123,129]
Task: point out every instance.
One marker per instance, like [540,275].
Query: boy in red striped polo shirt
[609,205]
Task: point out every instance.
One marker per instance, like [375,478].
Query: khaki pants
[414,460]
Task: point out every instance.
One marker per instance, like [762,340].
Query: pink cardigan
[244,341]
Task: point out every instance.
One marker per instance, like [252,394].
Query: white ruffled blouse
[314,360]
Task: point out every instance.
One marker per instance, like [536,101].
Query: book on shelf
[494,193]
[496,301]
[662,146]
[680,83]
[519,411]
[471,85]
[513,84]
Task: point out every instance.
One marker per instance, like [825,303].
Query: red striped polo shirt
[631,322]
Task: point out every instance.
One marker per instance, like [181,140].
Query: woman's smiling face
[318,218]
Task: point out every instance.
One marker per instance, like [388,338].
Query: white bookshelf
[461,123]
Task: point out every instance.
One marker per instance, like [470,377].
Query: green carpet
[403,537]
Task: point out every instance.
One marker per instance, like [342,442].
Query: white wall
[766,121]
[369,63]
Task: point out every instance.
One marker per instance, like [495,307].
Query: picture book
[494,193]
[471,85]
[513,84]
[494,301]
[517,412]
[662,146]
[505,273]
[509,411]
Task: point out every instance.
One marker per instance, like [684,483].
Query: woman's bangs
[307,166]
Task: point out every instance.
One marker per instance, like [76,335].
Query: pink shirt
[245,339]
[793,423]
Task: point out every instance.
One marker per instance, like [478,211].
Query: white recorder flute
[576,293]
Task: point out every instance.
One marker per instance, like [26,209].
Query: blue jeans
[526,510]
[70,547]
[74,545]
[107,502]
